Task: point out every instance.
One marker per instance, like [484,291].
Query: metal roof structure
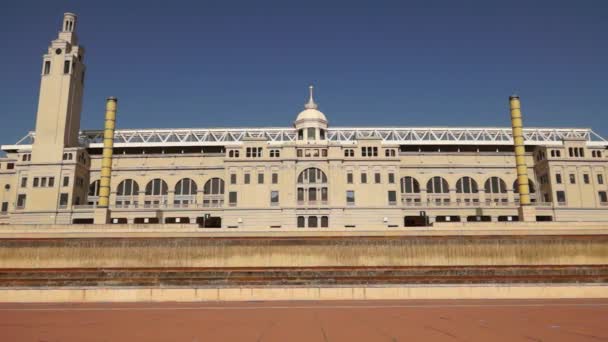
[342,135]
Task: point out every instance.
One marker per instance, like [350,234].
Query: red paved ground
[555,320]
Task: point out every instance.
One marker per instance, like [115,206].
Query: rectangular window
[349,178]
[572,178]
[36,182]
[311,133]
[600,179]
[324,194]
[43,182]
[350,197]
[47,67]
[24,182]
[558,178]
[51,182]
[377,178]
[21,201]
[274,197]
[247,178]
[66,181]
[300,194]
[391,178]
[233,178]
[312,194]
[275,178]
[363,177]
[4,207]
[232,198]
[66,67]
[260,178]
[586,178]
[561,196]
[63,200]
[603,196]
[392,197]
[10,166]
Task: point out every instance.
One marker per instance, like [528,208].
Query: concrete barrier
[489,291]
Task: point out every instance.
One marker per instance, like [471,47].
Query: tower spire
[311,101]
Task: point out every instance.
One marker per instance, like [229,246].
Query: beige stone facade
[309,176]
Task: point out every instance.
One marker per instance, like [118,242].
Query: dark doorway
[415,221]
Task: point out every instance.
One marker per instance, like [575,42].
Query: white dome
[311,115]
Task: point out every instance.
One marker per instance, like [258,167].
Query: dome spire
[311,101]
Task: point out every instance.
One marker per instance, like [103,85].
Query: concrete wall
[304,251]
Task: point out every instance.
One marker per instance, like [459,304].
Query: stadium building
[310,175]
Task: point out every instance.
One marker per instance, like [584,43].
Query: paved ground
[554,320]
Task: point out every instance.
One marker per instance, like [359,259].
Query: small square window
[232,198]
[274,197]
[350,197]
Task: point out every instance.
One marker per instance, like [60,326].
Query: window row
[576,152]
[311,152]
[465,185]
[311,133]
[572,178]
[364,180]
[158,187]
[313,221]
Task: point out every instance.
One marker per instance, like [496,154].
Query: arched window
[301,222]
[312,222]
[93,195]
[530,185]
[312,186]
[94,189]
[126,193]
[213,193]
[495,185]
[157,187]
[185,192]
[409,185]
[312,176]
[437,185]
[127,187]
[466,185]
[324,221]
[185,187]
[410,190]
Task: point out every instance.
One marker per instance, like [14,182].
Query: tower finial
[311,101]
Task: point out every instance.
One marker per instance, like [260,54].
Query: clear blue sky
[248,63]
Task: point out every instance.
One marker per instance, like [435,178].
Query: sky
[180,64]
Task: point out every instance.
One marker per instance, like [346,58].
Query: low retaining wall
[304,251]
[92,294]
